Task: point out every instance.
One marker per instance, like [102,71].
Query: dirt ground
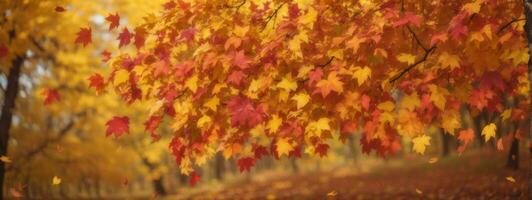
[478,176]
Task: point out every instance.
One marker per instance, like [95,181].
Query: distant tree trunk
[513,155]
[219,167]
[293,164]
[478,128]
[352,148]
[445,139]
[157,183]
[10,95]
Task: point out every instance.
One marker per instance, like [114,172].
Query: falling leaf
[489,131]
[114,21]
[433,160]
[50,96]
[56,180]
[5,159]
[84,36]
[510,179]
[421,143]
[97,82]
[117,126]
[124,37]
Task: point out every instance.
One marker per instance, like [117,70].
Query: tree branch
[274,14]
[326,63]
[404,71]
[416,38]
[508,25]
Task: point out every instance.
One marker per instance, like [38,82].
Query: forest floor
[479,175]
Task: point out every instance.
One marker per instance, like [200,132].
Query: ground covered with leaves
[479,175]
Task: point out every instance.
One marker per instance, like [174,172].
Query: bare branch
[508,25]
[326,63]
[404,71]
[274,14]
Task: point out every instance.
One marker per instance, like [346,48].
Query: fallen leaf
[60,9]
[5,159]
[500,146]
[419,191]
[433,160]
[332,193]
[56,180]
[510,179]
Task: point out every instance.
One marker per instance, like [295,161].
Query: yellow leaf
[274,123]
[287,83]
[121,76]
[192,83]
[438,96]
[411,102]
[301,99]
[386,106]
[361,74]
[332,83]
[56,180]
[284,147]
[506,114]
[510,179]
[309,18]
[489,131]
[295,43]
[203,121]
[451,121]
[337,53]
[332,193]
[421,143]
[406,58]
[5,159]
[212,103]
[449,61]
[419,191]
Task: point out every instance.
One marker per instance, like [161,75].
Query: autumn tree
[281,78]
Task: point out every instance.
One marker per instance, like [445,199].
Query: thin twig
[326,63]
[236,6]
[404,71]
[508,25]
[274,14]
[416,38]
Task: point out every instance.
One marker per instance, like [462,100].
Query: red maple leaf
[240,60]
[50,96]
[236,77]
[114,21]
[194,178]
[259,151]
[117,126]
[106,55]
[59,9]
[245,163]
[124,37]
[84,36]
[365,101]
[466,136]
[315,75]
[153,123]
[97,82]
[321,149]
[169,5]
[408,18]
[140,37]
[3,50]
[188,34]
[244,112]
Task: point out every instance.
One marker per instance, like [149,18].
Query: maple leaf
[140,37]
[274,123]
[362,74]
[56,180]
[3,50]
[152,123]
[315,75]
[406,58]
[365,101]
[240,60]
[301,99]
[408,18]
[97,82]
[332,83]
[114,21]
[489,131]
[60,9]
[244,112]
[510,179]
[194,179]
[321,149]
[236,77]
[50,96]
[421,143]
[466,136]
[84,36]
[188,34]
[117,126]
[124,37]
[283,147]
[106,55]
[245,163]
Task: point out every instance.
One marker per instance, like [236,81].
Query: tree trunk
[158,186]
[219,168]
[445,139]
[10,96]
[513,155]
